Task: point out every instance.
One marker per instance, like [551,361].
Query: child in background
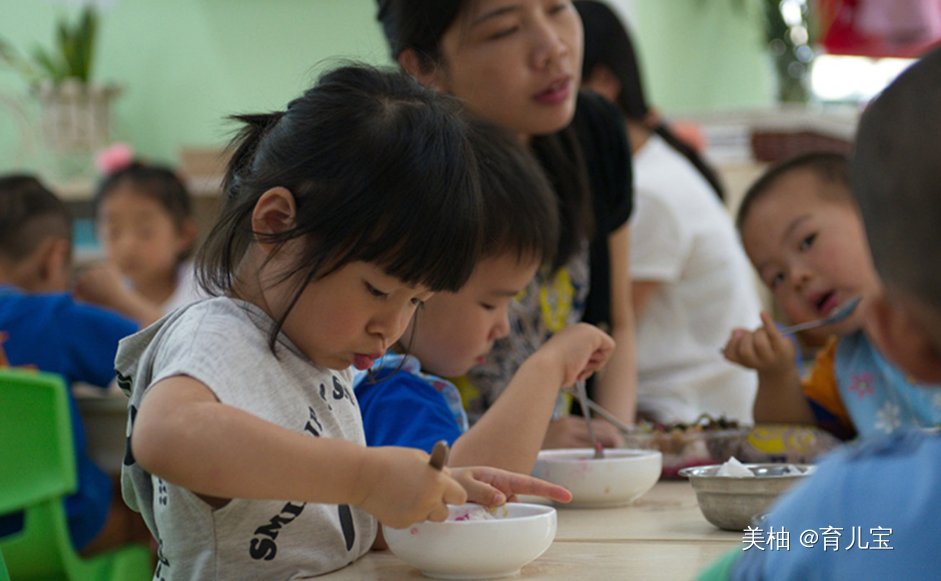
[145,224]
[804,235]
[42,327]
[884,494]
[343,214]
[690,278]
[405,401]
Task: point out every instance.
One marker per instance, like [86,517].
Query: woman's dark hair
[381,171]
[157,182]
[828,166]
[419,25]
[29,214]
[608,44]
[520,214]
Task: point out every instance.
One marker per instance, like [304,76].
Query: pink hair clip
[114,158]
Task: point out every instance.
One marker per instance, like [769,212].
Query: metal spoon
[586,413]
[835,316]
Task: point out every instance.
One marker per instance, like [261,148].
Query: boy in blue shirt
[43,328]
[407,400]
[880,501]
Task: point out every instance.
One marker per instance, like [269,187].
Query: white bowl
[476,549]
[619,478]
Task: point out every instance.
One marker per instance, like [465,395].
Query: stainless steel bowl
[733,503]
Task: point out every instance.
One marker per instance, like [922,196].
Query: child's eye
[808,241]
[375,292]
[419,304]
[488,307]
[556,8]
[776,279]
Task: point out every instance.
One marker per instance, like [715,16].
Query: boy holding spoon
[879,497]
[406,399]
[804,235]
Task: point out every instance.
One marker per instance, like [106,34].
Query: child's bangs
[439,254]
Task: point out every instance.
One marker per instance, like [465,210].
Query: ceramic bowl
[735,502]
[619,478]
[690,447]
[464,547]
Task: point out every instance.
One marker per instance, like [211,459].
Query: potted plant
[75,110]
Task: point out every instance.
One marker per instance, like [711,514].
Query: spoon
[586,413]
[439,455]
[611,418]
[835,316]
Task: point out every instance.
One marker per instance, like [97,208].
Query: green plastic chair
[37,469]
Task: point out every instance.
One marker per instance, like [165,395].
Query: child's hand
[100,284]
[493,486]
[400,487]
[571,432]
[764,350]
[580,349]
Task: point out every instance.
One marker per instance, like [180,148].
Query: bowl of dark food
[733,495]
[476,542]
[703,442]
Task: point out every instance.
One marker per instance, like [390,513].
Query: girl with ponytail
[343,214]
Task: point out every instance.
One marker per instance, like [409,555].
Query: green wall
[185,64]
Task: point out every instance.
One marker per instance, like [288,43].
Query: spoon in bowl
[835,316]
[586,413]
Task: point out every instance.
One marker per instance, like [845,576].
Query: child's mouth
[361,361]
[826,303]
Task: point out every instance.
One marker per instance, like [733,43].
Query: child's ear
[274,213]
[427,76]
[47,269]
[901,336]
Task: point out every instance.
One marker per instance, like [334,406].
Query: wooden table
[662,535]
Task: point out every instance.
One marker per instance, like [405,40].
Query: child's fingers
[732,346]
[439,513]
[454,493]
[763,346]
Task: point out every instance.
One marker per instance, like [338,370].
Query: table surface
[662,535]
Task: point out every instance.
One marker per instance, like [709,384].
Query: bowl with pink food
[476,542]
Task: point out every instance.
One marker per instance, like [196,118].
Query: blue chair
[37,470]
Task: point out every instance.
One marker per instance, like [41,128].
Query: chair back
[37,469]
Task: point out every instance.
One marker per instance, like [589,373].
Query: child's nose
[501,329]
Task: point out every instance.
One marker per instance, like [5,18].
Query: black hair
[160,183]
[520,214]
[608,44]
[419,25]
[896,180]
[29,213]
[381,171]
[828,166]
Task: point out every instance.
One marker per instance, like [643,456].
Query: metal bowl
[733,503]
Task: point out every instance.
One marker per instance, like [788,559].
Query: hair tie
[114,158]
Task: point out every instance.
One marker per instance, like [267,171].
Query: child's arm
[511,433]
[100,284]
[183,434]
[780,397]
